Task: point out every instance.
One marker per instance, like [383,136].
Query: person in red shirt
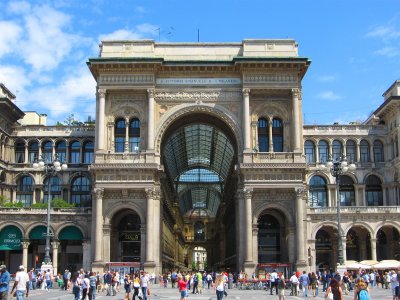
[182,286]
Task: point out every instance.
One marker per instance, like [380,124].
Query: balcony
[354,210]
[43,211]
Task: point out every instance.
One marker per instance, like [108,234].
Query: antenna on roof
[198,35]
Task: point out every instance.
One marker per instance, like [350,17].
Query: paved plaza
[169,293]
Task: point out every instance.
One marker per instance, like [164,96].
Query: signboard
[198,81]
[10,238]
[130,236]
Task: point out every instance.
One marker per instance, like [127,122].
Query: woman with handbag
[334,291]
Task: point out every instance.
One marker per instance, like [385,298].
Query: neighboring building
[199,156]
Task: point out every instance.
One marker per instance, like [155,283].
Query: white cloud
[326,78]
[19,7]
[384,32]
[14,78]
[329,95]
[10,34]
[388,51]
[139,32]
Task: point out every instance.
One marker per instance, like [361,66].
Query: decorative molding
[296,92]
[269,78]
[126,79]
[99,192]
[101,93]
[197,95]
[246,92]
[127,97]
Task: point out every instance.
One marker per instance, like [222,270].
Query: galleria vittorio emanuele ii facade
[199,158]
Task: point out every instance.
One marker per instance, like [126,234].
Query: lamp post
[337,167]
[50,168]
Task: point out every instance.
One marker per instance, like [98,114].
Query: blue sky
[354,46]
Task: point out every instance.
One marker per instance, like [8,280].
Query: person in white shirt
[21,284]
[145,284]
[273,278]
[294,285]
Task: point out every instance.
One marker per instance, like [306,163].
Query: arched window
[75,152]
[61,151]
[378,151]
[25,190]
[263,138]
[80,191]
[318,192]
[309,151]
[364,151]
[33,152]
[277,134]
[323,151]
[19,152]
[346,191]
[337,150]
[47,151]
[351,151]
[119,134]
[54,187]
[134,135]
[88,152]
[199,231]
[373,191]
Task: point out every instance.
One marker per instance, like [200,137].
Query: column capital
[151,92]
[153,193]
[246,92]
[98,192]
[296,92]
[101,92]
[25,244]
[245,193]
[55,244]
[301,191]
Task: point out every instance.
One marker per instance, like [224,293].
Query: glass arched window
[263,139]
[337,150]
[378,151]
[318,192]
[199,231]
[33,152]
[80,191]
[346,191]
[134,135]
[119,134]
[19,152]
[47,151]
[364,151]
[88,152]
[54,186]
[373,191]
[25,190]
[323,151]
[277,134]
[351,151]
[309,151]
[61,151]
[75,152]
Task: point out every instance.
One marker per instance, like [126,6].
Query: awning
[38,233]
[10,238]
[70,233]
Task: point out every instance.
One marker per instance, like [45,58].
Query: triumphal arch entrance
[198,160]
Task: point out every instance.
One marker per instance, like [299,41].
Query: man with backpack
[361,291]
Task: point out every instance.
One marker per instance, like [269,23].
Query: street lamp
[337,167]
[50,168]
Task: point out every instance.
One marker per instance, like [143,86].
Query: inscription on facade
[198,81]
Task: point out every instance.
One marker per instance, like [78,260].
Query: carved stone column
[246,118]
[55,244]
[143,238]
[150,121]
[100,122]
[271,140]
[296,120]
[301,193]
[25,245]
[373,249]
[98,224]
[126,146]
[106,242]
[249,264]
[86,247]
[152,227]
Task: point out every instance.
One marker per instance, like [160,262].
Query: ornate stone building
[199,157]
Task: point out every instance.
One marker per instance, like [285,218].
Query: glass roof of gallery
[198,160]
